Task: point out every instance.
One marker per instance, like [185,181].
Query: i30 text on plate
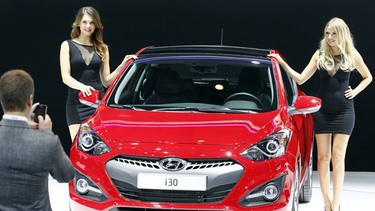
[196,128]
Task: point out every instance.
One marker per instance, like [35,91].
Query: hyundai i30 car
[196,128]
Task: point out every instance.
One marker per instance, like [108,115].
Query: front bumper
[228,183]
[219,175]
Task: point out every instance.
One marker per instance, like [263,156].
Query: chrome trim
[220,172]
[172,164]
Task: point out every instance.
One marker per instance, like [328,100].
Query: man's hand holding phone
[41,117]
[40,110]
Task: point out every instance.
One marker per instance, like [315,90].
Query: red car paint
[146,135]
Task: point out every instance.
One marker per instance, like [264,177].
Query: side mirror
[92,100]
[306,105]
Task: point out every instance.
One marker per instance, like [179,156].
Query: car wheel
[295,205]
[306,189]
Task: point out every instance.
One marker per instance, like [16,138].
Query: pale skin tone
[327,151]
[87,28]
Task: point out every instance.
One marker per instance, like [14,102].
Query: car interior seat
[149,83]
[169,88]
[251,81]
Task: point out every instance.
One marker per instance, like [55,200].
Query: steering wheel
[244,96]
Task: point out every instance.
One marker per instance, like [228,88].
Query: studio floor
[358,194]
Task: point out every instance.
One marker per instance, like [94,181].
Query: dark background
[32,31]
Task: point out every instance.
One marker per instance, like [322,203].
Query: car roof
[203,50]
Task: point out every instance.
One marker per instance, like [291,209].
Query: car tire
[306,189]
[295,205]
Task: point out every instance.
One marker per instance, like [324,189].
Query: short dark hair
[16,86]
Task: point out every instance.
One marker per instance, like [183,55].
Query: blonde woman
[84,63]
[334,122]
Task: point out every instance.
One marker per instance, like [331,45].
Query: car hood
[183,127]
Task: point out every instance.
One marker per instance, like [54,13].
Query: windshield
[197,84]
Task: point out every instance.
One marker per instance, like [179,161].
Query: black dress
[85,65]
[336,114]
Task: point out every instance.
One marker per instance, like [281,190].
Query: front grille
[192,165]
[222,175]
[208,164]
[212,195]
[147,163]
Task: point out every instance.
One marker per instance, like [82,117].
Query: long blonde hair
[345,45]
[97,36]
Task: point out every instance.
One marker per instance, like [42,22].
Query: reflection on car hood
[184,127]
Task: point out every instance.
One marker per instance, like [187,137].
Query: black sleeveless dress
[337,112]
[85,65]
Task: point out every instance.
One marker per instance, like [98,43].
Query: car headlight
[89,142]
[270,147]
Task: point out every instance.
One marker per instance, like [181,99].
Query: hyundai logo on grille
[172,164]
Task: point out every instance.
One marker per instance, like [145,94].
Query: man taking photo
[29,151]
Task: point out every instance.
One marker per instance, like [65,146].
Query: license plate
[172,182]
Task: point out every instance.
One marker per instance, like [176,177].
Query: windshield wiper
[130,107]
[178,109]
[203,109]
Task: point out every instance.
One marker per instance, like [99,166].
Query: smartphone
[41,110]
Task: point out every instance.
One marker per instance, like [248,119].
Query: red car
[196,128]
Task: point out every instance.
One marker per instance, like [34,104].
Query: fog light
[82,186]
[266,193]
[86,188]
[271,192]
